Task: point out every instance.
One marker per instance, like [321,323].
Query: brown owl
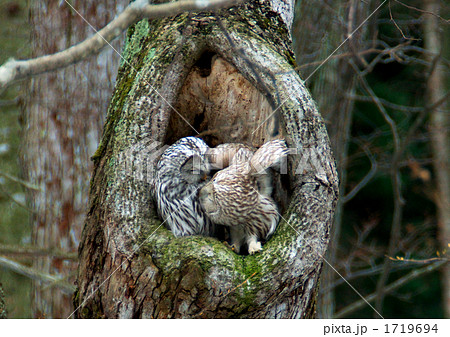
[239,196]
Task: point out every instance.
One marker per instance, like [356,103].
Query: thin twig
[5,192]
[36,275]
[396,25]
[36,252]
[20,181]
[419,121]
[432,259]
[401,48]
[367,177]
[398,199]
[370,271]
[386,103]
[422,11]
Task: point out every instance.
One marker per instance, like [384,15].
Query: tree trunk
[224,74]
[439,137]
[64,115]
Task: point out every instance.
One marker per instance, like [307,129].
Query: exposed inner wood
[223,106]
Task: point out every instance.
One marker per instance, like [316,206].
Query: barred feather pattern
[226,154]
[176,188]
[269,155]
[232,198]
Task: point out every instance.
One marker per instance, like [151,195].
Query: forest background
[384,96]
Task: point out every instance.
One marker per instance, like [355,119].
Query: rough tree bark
[225,85]
[64,114]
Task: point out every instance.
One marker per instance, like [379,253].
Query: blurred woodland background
[383,94]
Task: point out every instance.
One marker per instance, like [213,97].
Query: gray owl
[239,196]
[180,172]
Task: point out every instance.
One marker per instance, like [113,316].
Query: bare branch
[20,181]
[385,54]
[422,11]
[419,120]
[390,288]
[36,275]
[35,252]
[418,261]
[367,177]
[9,102]
[388,104]
[5,192]
[14,70]
[370,271]
[397,191]
[396,25]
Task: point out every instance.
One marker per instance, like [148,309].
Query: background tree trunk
[320,27]
[439,127]
[64,114]
[207,68]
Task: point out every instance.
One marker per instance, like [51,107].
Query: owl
[182,169]
[239,196]
[224,154]
[180,172]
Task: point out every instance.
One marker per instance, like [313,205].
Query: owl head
[185,161]
[195,169]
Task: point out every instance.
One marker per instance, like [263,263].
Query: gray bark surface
[130,266]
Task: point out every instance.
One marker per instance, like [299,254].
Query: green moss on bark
[171,255]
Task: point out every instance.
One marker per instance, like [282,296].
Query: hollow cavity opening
[219,105]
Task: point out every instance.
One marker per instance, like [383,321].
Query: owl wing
[226,154]
[269,155]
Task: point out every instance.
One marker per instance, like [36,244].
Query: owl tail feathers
[272,154]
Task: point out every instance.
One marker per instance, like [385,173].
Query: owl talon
[254,247]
